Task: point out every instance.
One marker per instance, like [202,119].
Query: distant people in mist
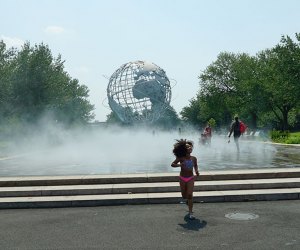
[188,163]
[208,133]
[235,129]
[179,131]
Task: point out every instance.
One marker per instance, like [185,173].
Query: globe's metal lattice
[139,91]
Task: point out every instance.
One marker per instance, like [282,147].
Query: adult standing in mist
[235,129]
[188,163]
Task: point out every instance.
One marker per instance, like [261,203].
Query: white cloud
[54,30]
[12,41]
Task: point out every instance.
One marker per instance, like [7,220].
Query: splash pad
[126,152]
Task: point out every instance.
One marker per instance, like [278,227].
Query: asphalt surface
[251,225]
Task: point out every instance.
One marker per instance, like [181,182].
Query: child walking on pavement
[188,163]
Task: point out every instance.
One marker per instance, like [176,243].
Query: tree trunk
[285,123]
[254,120]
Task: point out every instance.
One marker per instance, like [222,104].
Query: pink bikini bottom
[186,179]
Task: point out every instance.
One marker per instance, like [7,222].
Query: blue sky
[183,37]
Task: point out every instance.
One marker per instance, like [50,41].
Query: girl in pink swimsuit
[188,163]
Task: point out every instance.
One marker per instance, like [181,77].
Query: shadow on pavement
[193,225]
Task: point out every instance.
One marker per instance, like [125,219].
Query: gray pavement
[161,226]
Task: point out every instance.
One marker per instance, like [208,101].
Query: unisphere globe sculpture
[139,92]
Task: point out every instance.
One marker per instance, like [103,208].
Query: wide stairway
[150,188]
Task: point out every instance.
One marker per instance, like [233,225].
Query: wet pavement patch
[241,216]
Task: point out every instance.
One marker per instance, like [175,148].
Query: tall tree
[169,119]
[191,112]
[249,88]
[41,86]
[280,74]
[6,65]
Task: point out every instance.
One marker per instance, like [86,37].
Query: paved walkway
[276,225]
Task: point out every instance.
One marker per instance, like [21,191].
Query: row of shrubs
[285,137]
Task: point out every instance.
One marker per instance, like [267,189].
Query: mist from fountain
[56,151]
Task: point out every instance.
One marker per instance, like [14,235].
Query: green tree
[6,65]
[251,94]
[252,86]
[280,74]
[41,86]
[231,85]
[220,88]
[169,119]
[191,112]
[220,93]
[113,118]
[212,122]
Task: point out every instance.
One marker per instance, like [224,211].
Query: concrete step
[157,187]
[96,190]
[148,198]
[148,177]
